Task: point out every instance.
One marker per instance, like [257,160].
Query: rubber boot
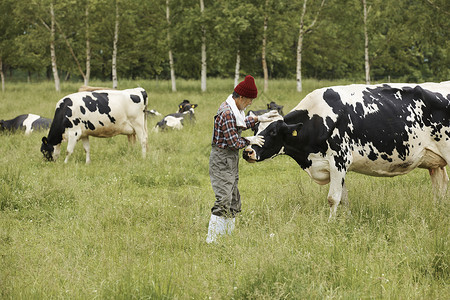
[230,225]
[217,226]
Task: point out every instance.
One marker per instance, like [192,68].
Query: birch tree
[88,47]
[304,29]
[237,67]
[172,69]
[366,43]
[264,43]
[52,48]
[114,54]
[203,71]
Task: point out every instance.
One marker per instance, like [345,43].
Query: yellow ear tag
[294,133]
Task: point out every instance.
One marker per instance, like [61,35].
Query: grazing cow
[177,120]
[378,130]
[87,88]
[270,106]
[103,113]
[28,123]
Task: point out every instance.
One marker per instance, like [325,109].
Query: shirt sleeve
[250,122]
[231,135]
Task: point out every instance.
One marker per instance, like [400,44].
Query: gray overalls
[224,174]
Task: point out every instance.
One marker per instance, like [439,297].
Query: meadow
[124,227]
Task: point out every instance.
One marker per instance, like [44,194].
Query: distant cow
[185,106]
[87,88]
[104,113]
[27,123]
[378,130]
[177,120]
[270,106]
[152,113]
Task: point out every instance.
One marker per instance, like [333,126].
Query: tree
[52,48]
[172,70]
[114,54]
[304,29]
[264,42]
[203,29]
[88,47]
[366,43]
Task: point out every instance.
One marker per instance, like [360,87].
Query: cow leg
[337,189]
[141,134]
[131,138]
[71,142]
[335,192]
[56,151]
[439,181]
[87,149]
[344,199]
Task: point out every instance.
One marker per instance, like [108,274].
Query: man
[223,161]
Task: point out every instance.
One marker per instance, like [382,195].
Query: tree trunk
[300,48]
[236,70]
[203,72]
[366,44]
[2,75]
[264,43]
[52,49]
[299,60]
[304,30]
[88,47]
[172,69]
[114,55]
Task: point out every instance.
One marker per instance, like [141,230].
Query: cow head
[277,135]
[273,106]
[47,149]
[186,106]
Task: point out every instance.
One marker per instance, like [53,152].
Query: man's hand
[255,140]
[268,116]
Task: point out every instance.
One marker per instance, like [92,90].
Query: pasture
[124,227]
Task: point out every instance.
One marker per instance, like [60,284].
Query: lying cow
[177,120]
[104,113]
[27,123]
[153,113]
[270,106]
[379,130]
[87,88]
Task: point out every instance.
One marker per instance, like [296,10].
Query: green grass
[124,227]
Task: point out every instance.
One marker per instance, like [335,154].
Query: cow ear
[268,106]
[194,105]
[294,130]
[44,140]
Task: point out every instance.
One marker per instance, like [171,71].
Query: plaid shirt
[226,133]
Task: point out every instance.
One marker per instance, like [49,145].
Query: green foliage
[125,227]
[408,40]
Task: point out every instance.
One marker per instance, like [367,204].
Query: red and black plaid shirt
[226,133]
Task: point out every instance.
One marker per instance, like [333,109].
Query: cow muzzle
[249,155]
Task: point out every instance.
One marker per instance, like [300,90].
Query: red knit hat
[247,88]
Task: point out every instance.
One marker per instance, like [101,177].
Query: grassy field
[124,227]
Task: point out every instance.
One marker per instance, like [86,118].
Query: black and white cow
[378,130]
[27,123]
[185,106]
[270,106]
[185,114]
[103,113]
